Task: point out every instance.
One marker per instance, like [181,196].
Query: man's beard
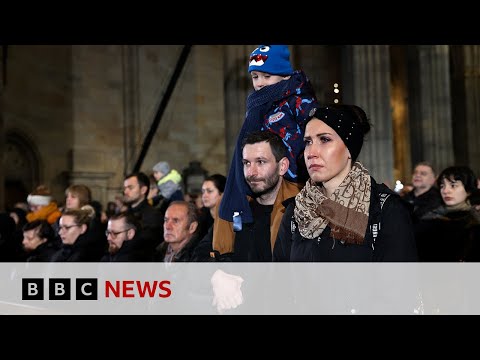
[113,249]
[129,201]
[270,184]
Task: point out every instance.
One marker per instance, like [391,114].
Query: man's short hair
[45,230]
[142,180]
[426,163]
[192,211]
[277,145]
[131,221]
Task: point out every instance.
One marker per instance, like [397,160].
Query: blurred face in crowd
[69,231]
[210,194]
[34,208]
[176,230]
[261,79]
[31,240]
[158,175]
[326,155]
[453,192]
[72,201]
[133,194]
[117,233]
[423,178]
[153,191]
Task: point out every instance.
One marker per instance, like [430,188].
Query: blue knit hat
[271,59]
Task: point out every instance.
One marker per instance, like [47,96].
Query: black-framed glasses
[66,227]
[114,234]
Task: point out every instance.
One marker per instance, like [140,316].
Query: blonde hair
[82,192]
[83,216]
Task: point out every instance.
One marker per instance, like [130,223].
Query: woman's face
[31,240]
[453,192]
[210,194]
[72,201]
[326,156]
[69,231]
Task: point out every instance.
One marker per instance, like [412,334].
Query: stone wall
[83,112]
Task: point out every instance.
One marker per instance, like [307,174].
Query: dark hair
[143,180]
[462,173]
[277,145]
[218,180]
[350,122]
[193,213]
[425,163]
[131,220]
[45,230]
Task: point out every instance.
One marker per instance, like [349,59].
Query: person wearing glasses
[123,244]
[79,242]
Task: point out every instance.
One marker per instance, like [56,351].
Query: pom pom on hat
[271,59]
[162,167]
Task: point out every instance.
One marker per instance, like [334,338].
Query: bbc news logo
[60,289]
[87,289]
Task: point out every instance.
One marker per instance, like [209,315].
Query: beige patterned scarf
[346,211]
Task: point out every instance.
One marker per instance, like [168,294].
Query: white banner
[240,288]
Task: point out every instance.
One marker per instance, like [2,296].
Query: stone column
[431,105]
[131,107]
[366,83]
[98,118]
[472,100]
[2,130]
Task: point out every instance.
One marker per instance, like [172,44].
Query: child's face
[157,175]
[261,79]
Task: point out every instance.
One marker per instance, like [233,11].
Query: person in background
[123,244]
[19,215]
[135,189]
[111,209]
[79,243]
[154,197]
[425,195]
[169,182]
[76,197]
[42,206]
[212,190]
[451,232]
[39,241]
[180,233]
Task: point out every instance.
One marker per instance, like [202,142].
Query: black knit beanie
[347,122]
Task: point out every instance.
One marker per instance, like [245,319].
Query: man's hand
[226,291]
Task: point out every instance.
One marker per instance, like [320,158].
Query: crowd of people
[295,192]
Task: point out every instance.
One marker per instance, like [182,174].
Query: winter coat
[389,236]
